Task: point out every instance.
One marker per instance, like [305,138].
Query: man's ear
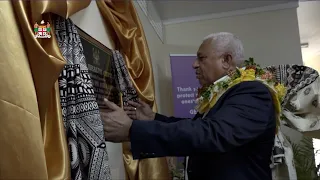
[227,61]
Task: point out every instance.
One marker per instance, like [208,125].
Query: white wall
[309,27]
[313,62]
[270,37]
[91,22]
[157,53]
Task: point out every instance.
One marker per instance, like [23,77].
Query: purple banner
[184,85]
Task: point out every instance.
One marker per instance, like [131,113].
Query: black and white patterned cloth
[123,80]
[298,79]
[80,111]
[294,77]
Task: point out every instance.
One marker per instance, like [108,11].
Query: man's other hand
[139,110]
[116,123]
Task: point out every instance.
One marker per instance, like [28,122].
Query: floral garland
[209,95]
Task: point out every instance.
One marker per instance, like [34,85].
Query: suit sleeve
[162,118]
[246,113]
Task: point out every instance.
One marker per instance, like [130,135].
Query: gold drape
[32,138]
[125,23]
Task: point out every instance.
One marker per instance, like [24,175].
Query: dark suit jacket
[234,140]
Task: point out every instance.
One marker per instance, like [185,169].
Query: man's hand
[139,111]
[116,123]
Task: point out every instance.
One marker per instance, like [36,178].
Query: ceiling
[309,27]
[169,10]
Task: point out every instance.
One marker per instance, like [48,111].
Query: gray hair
[224,42]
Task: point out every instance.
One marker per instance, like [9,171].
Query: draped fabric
[124,83]
[129,93]
[123,20]
[22,148]
[32,137]
[300,109]
[45,58]
[80,110]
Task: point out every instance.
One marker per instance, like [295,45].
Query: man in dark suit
[233,140]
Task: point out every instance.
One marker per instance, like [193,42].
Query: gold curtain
[123,20]
[32,139]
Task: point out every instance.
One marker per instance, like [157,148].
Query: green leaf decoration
[206,94]
[249,62]
[238,74]
[225,85]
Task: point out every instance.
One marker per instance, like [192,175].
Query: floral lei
[209,95]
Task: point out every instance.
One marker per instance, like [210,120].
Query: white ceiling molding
[183,55]
[143,6]
[232,13]
[153,17]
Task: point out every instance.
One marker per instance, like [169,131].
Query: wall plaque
[99,61]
